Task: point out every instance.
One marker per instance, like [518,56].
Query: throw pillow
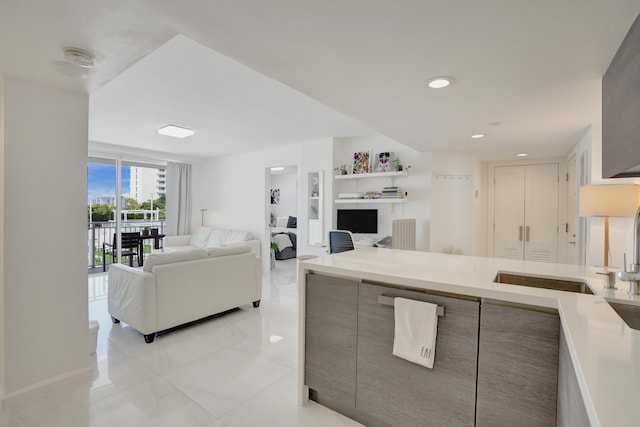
[292,222]
[281,221]
[199,237]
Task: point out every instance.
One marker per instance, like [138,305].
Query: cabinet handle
[527,233]
[520,234]
[388,300]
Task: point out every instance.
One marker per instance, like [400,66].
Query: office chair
[340,241]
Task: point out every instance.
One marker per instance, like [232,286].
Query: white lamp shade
[609,200]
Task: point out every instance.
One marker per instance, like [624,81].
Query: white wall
[233,188]
[2,237]
[456,207]
[417,185]
[45,310]
[287,183]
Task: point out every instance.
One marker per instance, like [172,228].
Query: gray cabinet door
[517,367]
[571,409]
[402,393]
[330,343]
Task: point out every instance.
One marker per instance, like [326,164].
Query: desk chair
[340,241]
[130,247]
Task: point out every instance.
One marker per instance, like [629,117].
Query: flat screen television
[358,220]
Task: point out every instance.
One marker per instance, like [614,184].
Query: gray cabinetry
[330,343]
[571,409]
[620,109]
[401,393]
[517,367]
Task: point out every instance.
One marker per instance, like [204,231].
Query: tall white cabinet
[525,212]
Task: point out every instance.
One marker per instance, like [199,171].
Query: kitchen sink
[628,312]
[543,282]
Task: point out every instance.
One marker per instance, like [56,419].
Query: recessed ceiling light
[522,154]
[478,135]
[439,82]
[175,131]
[277,169]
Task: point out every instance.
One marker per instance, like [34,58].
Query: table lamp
[607,201]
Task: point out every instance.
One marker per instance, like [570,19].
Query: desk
[157,238]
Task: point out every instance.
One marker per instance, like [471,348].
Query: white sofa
[207,238]
[181,286]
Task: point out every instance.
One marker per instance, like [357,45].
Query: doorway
[282,213]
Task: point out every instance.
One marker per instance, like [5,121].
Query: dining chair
[130,248]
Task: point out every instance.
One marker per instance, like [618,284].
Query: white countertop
[604,350]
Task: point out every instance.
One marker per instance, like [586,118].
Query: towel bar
[387,300]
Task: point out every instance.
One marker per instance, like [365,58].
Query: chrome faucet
[633,275]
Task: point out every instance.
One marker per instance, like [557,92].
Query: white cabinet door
[541,213]
[526,212]
[508,211]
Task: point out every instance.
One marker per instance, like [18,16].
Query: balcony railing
[100,232]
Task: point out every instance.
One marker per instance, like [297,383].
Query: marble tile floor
[238,370]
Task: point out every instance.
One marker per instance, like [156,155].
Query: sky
[102,180]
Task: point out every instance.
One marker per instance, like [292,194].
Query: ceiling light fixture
[277,169]
[439,82]
[80,57]
[478,135]
[522,154]
[77,62]
[175,131]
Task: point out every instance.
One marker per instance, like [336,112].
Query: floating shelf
[372,201]
[372,175]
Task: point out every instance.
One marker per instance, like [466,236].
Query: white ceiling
[249,75]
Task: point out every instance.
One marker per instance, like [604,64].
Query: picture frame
[361,162]
[275,196]
[383,161]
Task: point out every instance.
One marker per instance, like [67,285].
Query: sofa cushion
[219,237]
[230,249]
[172,257]
[236,236]
[292,222]
[216,238]
[199,237]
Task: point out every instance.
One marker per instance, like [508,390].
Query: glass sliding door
[123,197]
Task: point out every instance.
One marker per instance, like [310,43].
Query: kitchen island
[602,350]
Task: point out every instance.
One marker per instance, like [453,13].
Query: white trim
[20,396]
[99,149]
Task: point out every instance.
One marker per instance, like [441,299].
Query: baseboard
[35,390]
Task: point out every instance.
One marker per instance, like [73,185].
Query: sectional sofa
[184,284]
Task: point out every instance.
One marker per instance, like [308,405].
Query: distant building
[107,200]
[145,182]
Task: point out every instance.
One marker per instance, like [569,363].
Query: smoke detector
[79,57]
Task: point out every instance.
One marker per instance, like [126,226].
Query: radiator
[403,232]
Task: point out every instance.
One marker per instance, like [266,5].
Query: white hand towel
[416,326]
